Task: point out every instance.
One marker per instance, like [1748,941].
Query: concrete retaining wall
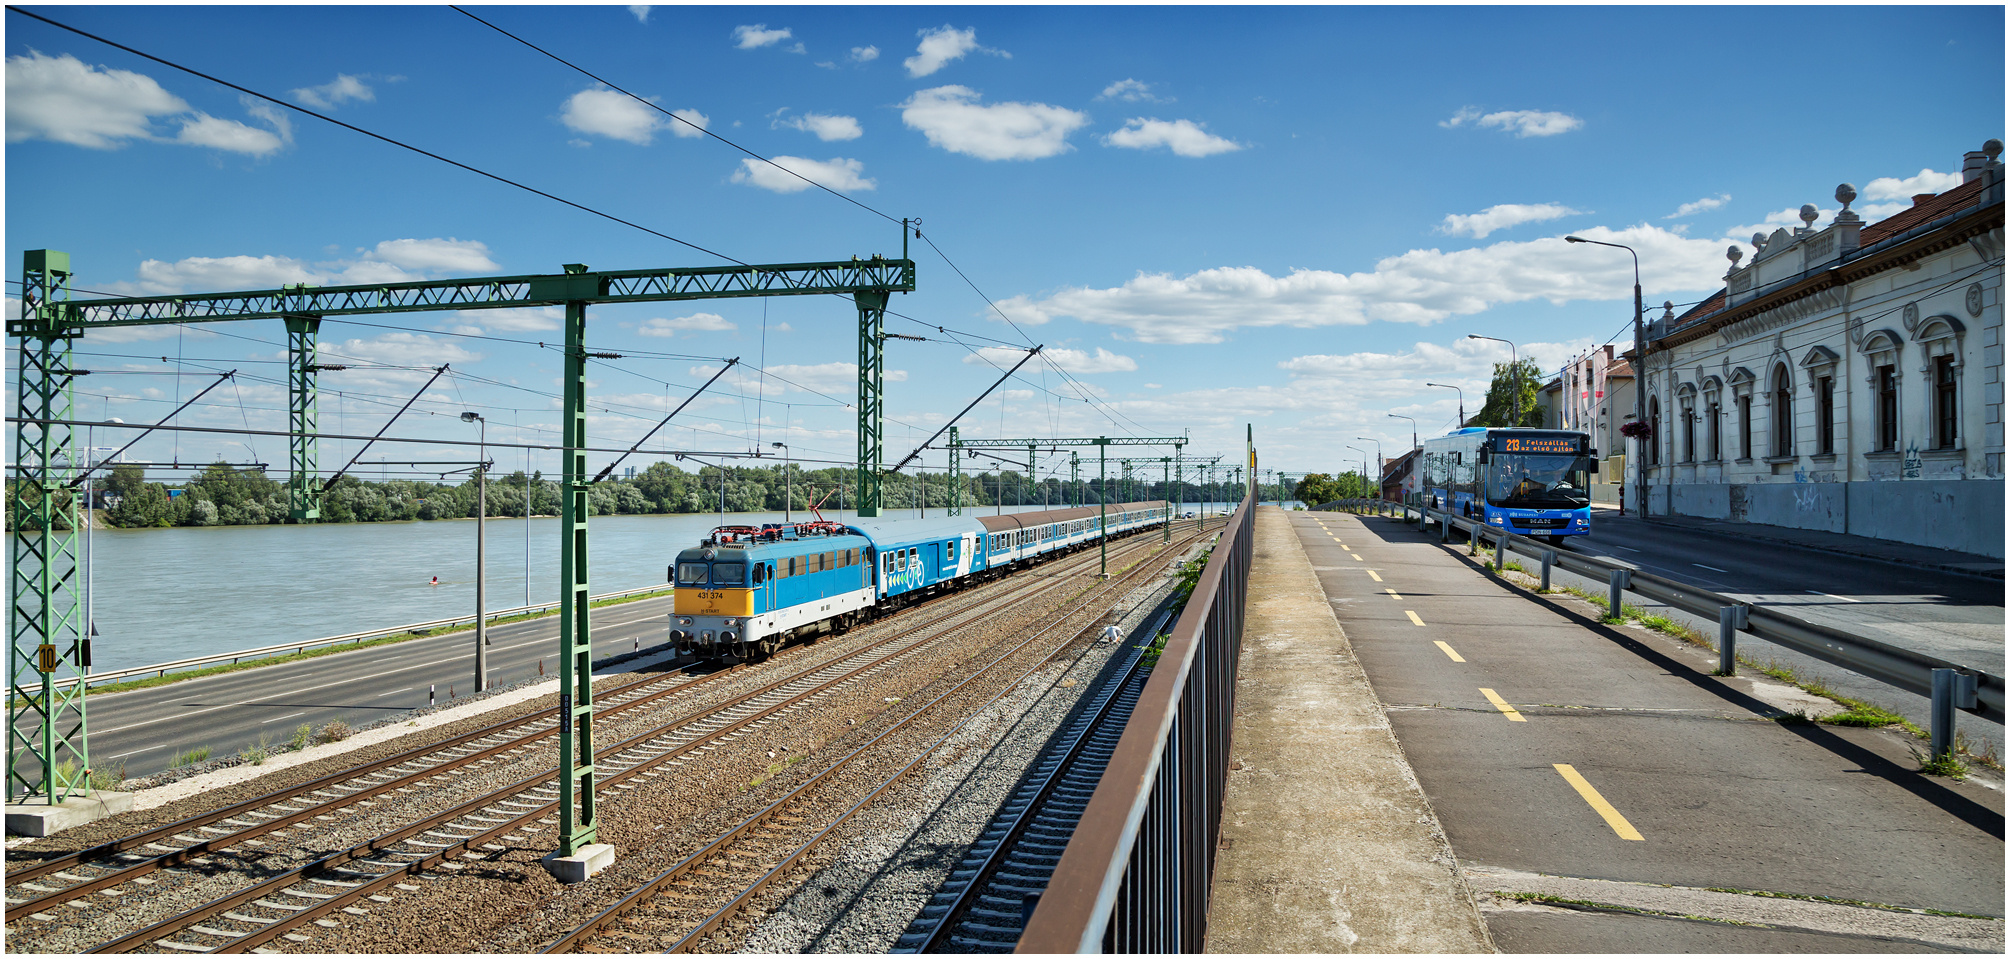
[1964,515]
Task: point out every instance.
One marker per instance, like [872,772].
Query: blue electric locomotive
[744,591]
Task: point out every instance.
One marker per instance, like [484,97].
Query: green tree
[126,479]
[1523,377]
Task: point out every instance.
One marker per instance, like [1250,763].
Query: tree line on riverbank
[223,495]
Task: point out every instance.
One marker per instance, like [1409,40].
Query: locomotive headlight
[683,620]
[732,622]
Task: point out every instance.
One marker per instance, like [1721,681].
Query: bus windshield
[1539,481]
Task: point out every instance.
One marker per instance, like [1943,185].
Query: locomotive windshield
[729,574]
[691,574]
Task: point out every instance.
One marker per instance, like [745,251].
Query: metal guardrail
[1949,686]
[1136,875]
[162,669]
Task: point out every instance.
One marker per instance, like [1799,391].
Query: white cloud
[1891,188]
[1698,206]
[952,119]
[217,133]
[392,261]
[864,54]
[942,45]
[1183,137]
[837,379]
[1072,361]
[1502,216]
[516,319]
[1131,91]
[695,124]
[446,256]
[641,12]
[826,127]
[611,114]
[67,101]
[836,173]
[695,323]
[1420,286]
[404,349]
[1522,123]
[758,35]
[333,93]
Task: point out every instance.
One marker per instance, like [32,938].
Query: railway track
[983,905]
[287,899]
[696,897]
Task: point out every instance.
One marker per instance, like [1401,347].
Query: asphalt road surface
[1555,748]
[230,712]
[1950,615]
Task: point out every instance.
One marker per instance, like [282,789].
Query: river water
[179,593]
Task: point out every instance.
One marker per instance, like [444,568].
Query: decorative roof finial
[1669,306]
[1993,147]
[1845,195]
[1758,240]
[1734,254]
[1808,215]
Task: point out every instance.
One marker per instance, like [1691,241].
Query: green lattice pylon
[955,473]
[871,397]
[48,746]
[303,418]
[575,626]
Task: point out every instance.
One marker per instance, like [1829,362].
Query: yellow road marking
[1413,616]
[1449,651]
[1502,705]
[1604,809]
[1391,592]
[1357,556]
[1375,576]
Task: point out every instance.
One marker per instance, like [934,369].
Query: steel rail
[649,889]
[1083,734]
[1893,665]
[308,871]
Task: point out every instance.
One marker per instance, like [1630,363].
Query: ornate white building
[1847,379]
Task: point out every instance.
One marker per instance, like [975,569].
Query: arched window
[1783,412]
[1653,439]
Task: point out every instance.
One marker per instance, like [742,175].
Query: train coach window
[760,574]
[949,552]
[729,574]
[691,574]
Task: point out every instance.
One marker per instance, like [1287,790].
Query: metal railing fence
[1136,874]
[1950,686]
[162,669]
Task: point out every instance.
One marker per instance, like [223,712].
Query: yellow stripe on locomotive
[713,601]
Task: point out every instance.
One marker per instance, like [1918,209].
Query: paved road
[229,712]
[1956,617]
[1550,744]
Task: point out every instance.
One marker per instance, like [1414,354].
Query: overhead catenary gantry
[957,445]
[45,631]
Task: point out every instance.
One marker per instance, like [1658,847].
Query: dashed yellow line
[1507,710]
[1449,651]
[1413,616]
[1357,556]
[1377,577]
[1391,592]
[1604,809]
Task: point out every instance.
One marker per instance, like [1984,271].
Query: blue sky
[1290,217]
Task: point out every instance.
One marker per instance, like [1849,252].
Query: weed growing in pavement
[1153,651]
[255,755]
[1859,903]
[301,736]
[107,779]
[1947,765]
[1549,900]
[186,758]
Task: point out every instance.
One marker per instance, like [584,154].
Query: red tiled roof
[1620,369]
[1924,211]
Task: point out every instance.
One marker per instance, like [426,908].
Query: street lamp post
[1379,467]
[481,553]
[1514,371]
[788,482]
[1364,462]
[1462,400]
[1635,459]
[1413,427]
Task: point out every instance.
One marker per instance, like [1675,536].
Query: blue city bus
[1535,482]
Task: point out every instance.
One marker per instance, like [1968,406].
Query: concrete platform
[36,817]
[580,866]
[1328,844]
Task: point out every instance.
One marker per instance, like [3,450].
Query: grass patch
[1154,650]
[1949,765]
[255,755]
[301,736]
[334,732]
[185,758]
[107,779]
[1859,903]
[220,668]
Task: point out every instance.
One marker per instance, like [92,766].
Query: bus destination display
[1539,444]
